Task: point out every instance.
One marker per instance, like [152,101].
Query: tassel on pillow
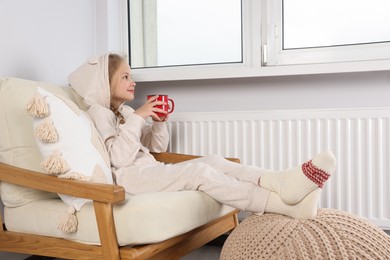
[37,106]
[55,164]
[46,132]
[68,222]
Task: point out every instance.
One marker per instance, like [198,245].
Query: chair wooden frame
[103,196]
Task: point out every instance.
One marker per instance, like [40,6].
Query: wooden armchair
[104,197]
[112,224]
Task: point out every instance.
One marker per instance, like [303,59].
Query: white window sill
[243,71]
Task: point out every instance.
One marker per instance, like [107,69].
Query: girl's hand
[149,109]
[164,119]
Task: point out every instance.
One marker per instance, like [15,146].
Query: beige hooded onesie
[135,168]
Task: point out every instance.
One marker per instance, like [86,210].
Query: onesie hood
[91,81]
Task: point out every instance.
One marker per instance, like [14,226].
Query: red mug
[168,108]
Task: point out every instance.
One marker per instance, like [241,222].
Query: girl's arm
[122,140]
[155,137]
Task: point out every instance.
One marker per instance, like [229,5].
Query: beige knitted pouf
[332,234]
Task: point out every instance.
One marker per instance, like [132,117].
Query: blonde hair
[114,62]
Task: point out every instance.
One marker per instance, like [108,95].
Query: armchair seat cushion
[140,219]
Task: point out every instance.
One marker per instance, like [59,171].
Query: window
[257,38]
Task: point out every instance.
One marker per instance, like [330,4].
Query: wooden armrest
[36,180]
[173,157]
[178,157]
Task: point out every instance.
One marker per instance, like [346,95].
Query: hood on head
[91,81]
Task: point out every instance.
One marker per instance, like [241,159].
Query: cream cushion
[17,143]
[139,220]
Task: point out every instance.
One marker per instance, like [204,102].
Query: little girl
[105,84]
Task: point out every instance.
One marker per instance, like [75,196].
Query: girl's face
[123,87]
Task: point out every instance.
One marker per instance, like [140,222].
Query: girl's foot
[294,184]
[306,208]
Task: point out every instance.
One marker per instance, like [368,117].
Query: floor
[203,253]
[208,252]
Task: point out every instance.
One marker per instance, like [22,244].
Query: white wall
[45,40]
[369,89]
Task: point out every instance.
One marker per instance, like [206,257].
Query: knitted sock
[294,184]
[306,208]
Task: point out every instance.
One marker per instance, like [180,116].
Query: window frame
[258,56]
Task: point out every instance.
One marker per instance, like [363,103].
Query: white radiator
[279,139]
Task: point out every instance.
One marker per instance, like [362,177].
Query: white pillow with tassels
[70,146]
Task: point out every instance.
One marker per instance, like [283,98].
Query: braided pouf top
[332,234]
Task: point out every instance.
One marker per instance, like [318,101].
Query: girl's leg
[292,184]
[194,176]
[307,205]
[220,180]
[239,171]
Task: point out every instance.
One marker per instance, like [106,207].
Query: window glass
[184,32]
[319,23]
